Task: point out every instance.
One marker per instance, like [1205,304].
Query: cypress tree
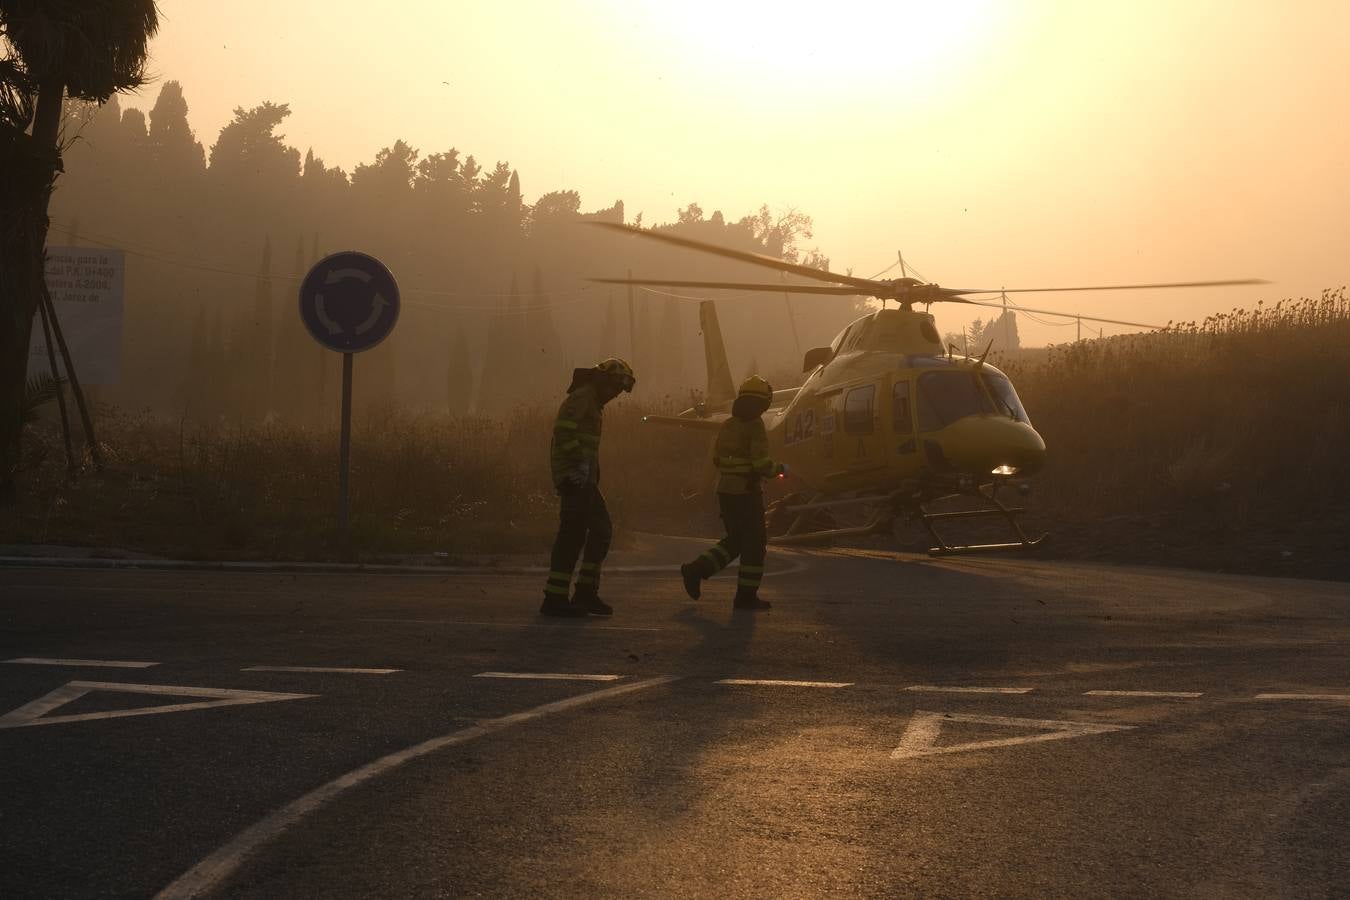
[320,356]
[459,376]
[292,384]
[609,332]
[215,375]
[672,346]
[239,363]
[384,374]
[514,206]
[544,362]
[174,150]
[259,400]
[643,350]
[514,361]
[198,375]
[503,360]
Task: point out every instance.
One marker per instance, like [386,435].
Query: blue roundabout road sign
[349,301]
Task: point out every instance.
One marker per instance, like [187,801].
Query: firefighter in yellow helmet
[584,527]
[741,455]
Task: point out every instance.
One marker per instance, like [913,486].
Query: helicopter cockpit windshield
[946,396]
[1005,398]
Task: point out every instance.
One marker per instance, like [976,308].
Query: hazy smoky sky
[1014,143]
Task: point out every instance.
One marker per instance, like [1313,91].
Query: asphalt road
[942,733]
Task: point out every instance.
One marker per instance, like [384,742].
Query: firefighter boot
[587,601]
[693,574]
[556,605]
[748,598]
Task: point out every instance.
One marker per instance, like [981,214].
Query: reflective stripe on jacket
[742,455]
[576,434]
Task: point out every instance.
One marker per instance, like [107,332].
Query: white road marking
[920,736]
[778,683]
[1345,697]
[35,713]
[548,676]
[1179,694]
[584,626]
[211,872]
[334,669]
[81,663]
[951,689]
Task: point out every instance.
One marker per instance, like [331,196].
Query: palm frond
[95,47]
[17,93]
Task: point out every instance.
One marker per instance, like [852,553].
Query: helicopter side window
[858,409]
[839,341]
[945,397]
[1006,401]
[900,408]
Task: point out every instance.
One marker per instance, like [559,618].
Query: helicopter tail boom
[685,421]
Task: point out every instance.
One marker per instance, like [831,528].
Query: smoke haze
[998,144]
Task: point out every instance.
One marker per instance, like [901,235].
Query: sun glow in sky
[995,143]
[778,55]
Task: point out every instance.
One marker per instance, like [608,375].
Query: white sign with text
[86,284]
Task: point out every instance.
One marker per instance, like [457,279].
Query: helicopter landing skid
[994,508]
[803,514]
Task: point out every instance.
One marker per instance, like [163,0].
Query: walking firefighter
[584,527]
[741,455]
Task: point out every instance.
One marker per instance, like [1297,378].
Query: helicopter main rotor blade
[758,259]
[781,288]
[1055,312]
[1115,287]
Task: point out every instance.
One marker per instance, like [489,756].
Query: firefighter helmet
[618,369]
[754,386]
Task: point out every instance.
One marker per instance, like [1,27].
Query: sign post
[345,449]
[349,303]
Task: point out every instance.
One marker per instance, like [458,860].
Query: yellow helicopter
[888,419]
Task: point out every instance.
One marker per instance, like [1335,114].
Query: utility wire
[579,296]
[200,266]
[885,270]
[1051,312]
[1033,317]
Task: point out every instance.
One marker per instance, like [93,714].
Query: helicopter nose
[988,443]
[1024,447]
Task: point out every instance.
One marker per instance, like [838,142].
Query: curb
[175,565]
[183,565]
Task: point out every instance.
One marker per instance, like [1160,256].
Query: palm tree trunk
[47,120]
[30,165]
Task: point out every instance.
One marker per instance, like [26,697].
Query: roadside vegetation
[1218,444]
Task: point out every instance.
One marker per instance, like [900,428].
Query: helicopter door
[861,444]
[902,417]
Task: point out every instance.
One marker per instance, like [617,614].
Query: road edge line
[207,875]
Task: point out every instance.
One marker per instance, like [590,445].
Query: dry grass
[1249,404]
[1220,444]
[418,485]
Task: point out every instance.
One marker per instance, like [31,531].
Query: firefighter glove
[578,475]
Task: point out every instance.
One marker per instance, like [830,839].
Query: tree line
[497,305]
[496,302]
